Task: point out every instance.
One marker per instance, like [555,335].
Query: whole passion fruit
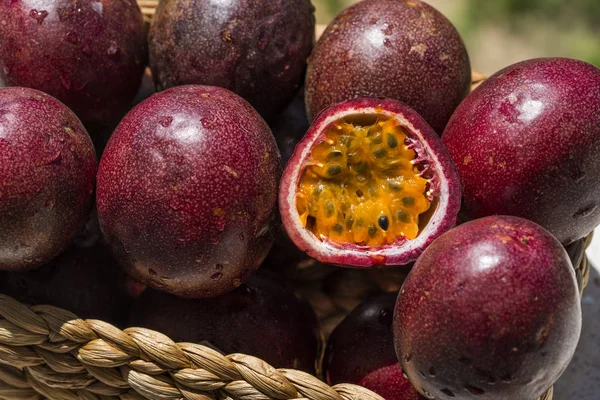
[399,49]
[187,191]
[257,49]
[47,171]
[370,184]
[527,143]
[361,350]
[85,280]
[261,318]
[89,54]
[490,311]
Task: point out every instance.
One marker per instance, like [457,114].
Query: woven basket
[49,353]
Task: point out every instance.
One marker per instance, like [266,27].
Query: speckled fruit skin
[89,54]
[85,279]
[445,185]
[399,49]
[47,172]
[527,143]
[361,350]
[260,318]
[490,311]
[257,49]
[187,190]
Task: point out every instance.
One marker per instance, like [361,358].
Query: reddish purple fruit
[260,318]
[47,172]
[85,280]
[187,191]
[89,54]
[399,49]
[370,184]
[257,49]
[361,350]
[526,143]
[490,311]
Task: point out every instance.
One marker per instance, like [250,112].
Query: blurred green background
[501,32]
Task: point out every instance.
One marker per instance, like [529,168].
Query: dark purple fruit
[47,172]
[257,49]
[290,127]
[187,190]
[490,311]
[399,49]
[361,350]
[89,54]
[259,318]
[85,280]
[527,143]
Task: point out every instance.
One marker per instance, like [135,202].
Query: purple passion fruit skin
[398,49]
[491,310]
[361,351]
[290,127]
[187,191]
[526,143]
[47,173]
[260,318]
[89,54]
[257,49]
[85,279]
[367,170]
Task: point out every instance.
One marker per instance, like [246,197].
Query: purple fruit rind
[490,311]
[400,49]
[187,191]
[47,172]
[88,54]
[526,143]
[257,49]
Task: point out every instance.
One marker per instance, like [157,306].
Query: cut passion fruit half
[370,184]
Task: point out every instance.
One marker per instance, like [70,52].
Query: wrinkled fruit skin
[399,49]
[259,318]
[526,143]
[85,279]
[88,54]
[361,351]
[490,311]
[187,190]
[347,254]
[257,49]
[47,172]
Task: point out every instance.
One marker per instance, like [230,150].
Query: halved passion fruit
[370,184]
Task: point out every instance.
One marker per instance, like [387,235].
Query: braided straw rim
[47,351]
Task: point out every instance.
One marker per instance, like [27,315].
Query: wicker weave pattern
[47,351]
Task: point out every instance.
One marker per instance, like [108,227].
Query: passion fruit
[490,310]
[47,172]
[85,280]
[526,143]
[361,350]
[398,49]
[88,54]
[261,318]
[290,127]
[187,191]
[370,184]
[257,49]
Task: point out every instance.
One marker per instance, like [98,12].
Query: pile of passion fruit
[365,147]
